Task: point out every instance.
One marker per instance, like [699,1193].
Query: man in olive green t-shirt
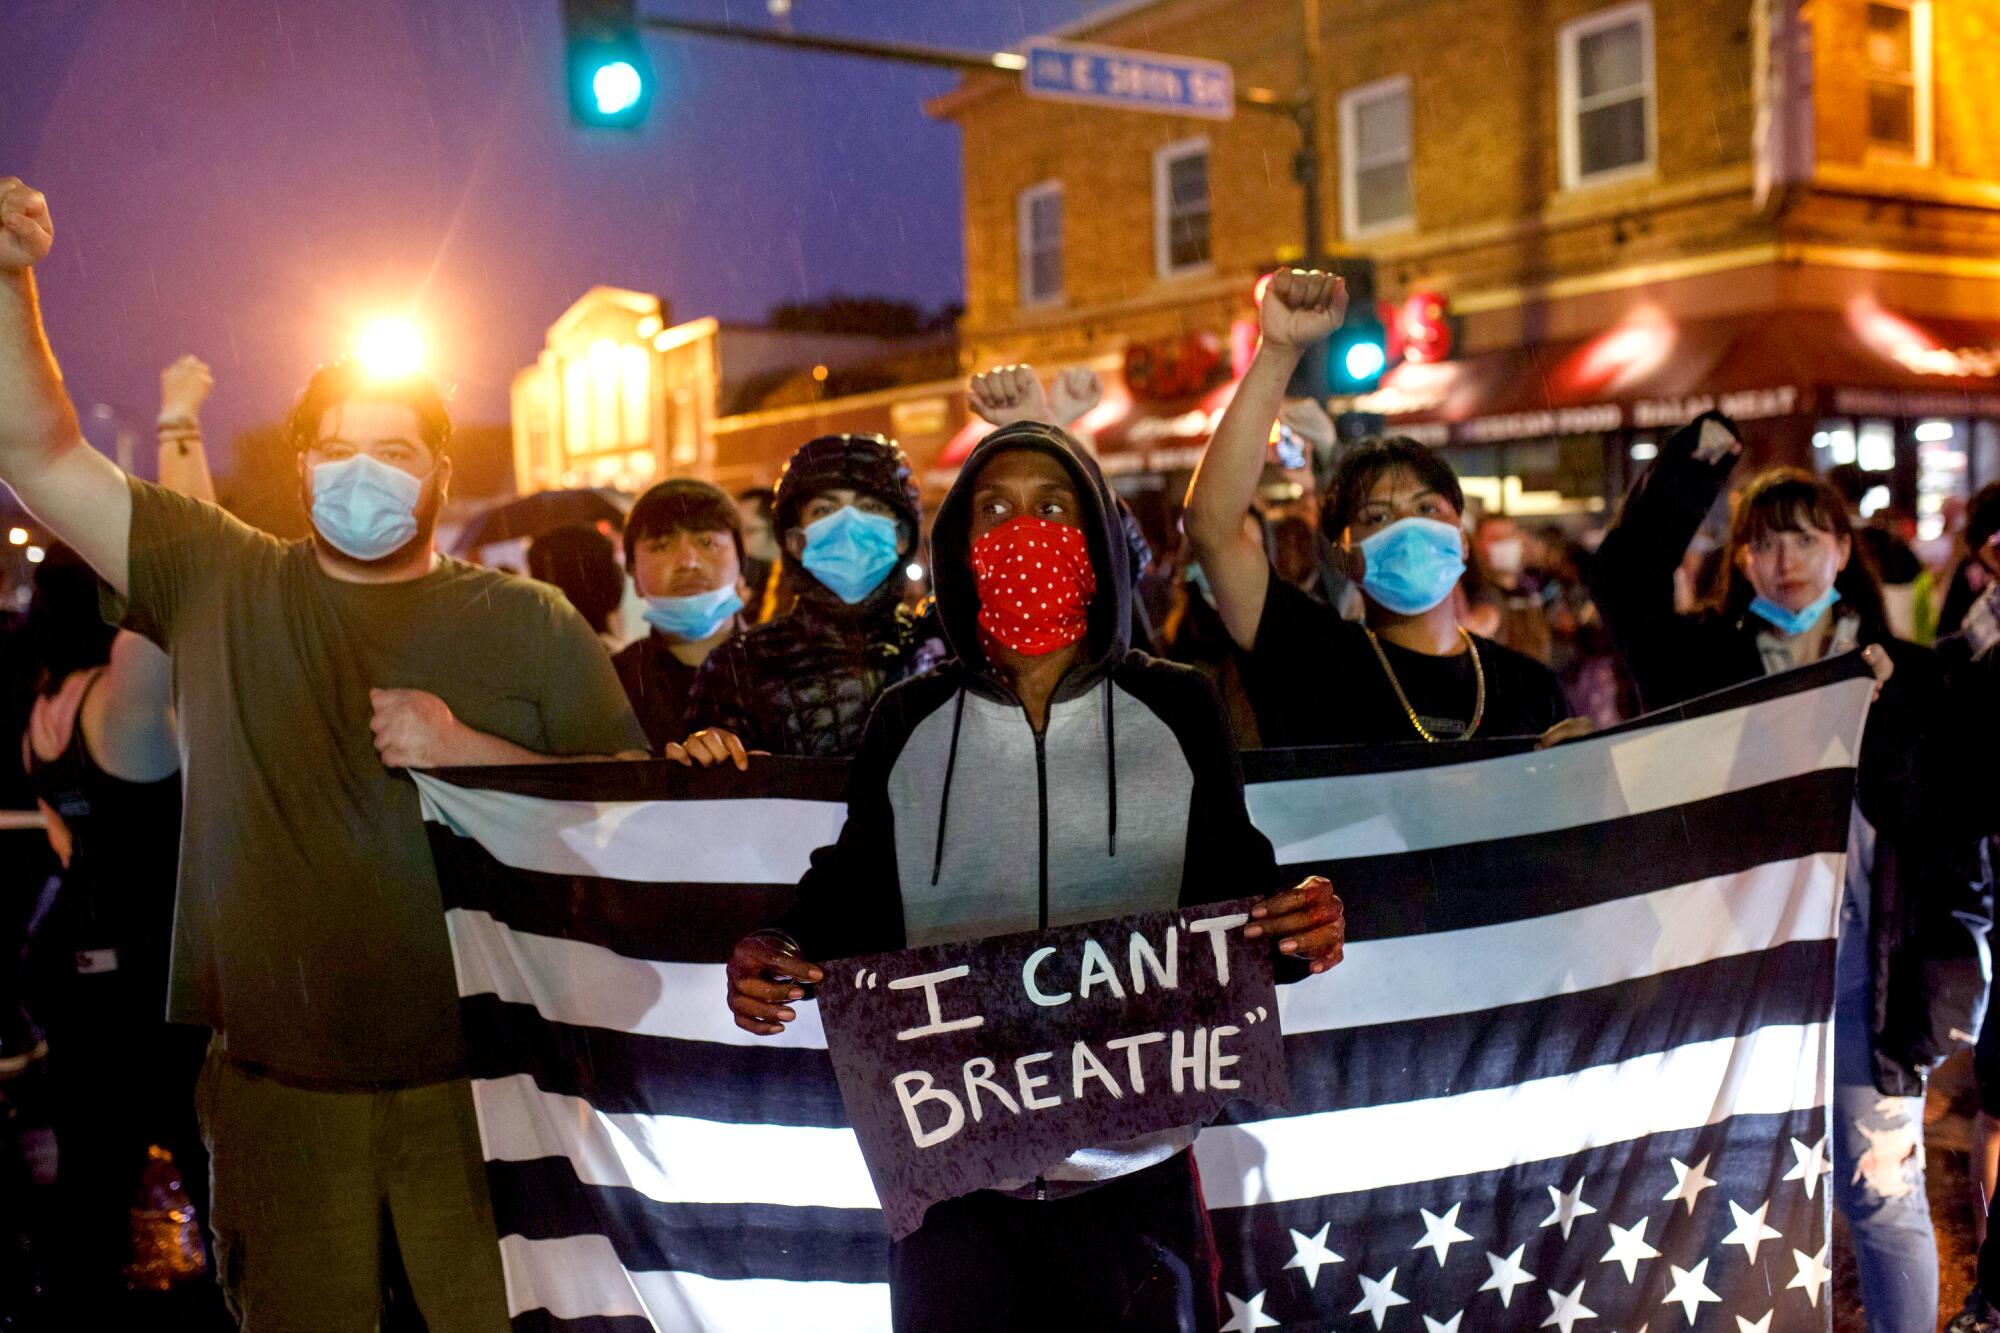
[309,931]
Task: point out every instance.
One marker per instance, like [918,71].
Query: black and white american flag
[1573,1071]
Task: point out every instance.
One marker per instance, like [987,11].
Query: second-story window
[1039,227]
[1899,79]
[1375,193]
[1180,207]
[1607,96]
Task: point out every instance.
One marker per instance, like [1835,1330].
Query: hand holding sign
[765,976]
[1308,920]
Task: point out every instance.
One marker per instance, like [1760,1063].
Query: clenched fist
[1074,392]
[26,231]
[415,729]
[184,388]
[1301,306]
[1007,394]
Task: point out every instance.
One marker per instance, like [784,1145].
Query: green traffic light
[617,87]
[1365,360]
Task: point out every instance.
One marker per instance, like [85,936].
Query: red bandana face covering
[1035,584]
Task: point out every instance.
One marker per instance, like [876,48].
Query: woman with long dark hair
[1910,969]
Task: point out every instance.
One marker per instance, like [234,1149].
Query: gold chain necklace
[1478,684]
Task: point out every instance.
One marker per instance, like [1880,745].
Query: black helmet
[870,464]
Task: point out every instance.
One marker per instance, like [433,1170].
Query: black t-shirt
[1313,679]
[657,683]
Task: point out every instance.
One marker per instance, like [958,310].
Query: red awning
[1653,371]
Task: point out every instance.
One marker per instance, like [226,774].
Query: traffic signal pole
[1300,110]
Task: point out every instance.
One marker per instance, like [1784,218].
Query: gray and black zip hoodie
[964,822]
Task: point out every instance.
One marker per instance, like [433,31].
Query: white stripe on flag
[741,841]
[588,985]
[1381,981]
[674,1159]
[577,1277]
[1465,971]
[1584,782]
[1768,1072]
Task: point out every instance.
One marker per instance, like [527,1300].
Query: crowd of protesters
[253,1025]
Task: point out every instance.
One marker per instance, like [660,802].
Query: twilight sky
[250,179]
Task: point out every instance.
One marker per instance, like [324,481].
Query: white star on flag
[1628,1248]
[1567,1310]
[1433,1326]
[1247,1316]
[1750,1229]
[1507,1275]
[1812,1164]
[1692,1181]
[1311,1254]
[1568,1207]
[1761,1326]
[1691,1289]
[1441,1233]
[1812,1275]
[1378,1298]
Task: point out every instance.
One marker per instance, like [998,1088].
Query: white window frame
[1024,244]
[1568,110]
[1923,79]
[1163,160]
[1351,164]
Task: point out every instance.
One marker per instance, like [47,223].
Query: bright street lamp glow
[36,555]
[1365,360]
[616,86]
[914,572]
[17,536]
[391,348]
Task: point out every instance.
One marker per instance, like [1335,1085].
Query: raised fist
[1007,394]
[26,232]
[1301,307]
[1715,442]
[1074,392]
[184,388]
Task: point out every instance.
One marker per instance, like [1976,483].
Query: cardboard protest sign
[965,1066]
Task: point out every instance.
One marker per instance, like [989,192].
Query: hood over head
[1110,634]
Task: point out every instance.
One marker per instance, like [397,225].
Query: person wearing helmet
[802,683]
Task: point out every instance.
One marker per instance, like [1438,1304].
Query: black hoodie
[964,822]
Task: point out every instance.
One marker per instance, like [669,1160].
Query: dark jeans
[1136,1253]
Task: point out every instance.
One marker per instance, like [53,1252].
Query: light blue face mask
[363,508]
[1794,622]
[1412,565]
[693,618]
[851,552]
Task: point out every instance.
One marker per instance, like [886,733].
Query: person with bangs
[1911,964]
[1395,511]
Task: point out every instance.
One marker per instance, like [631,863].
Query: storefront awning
[1652,371]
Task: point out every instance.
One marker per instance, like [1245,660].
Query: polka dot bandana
[1035,584]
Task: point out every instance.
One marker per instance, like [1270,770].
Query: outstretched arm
[1298,310]
[79,493]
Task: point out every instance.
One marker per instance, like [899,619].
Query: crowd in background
[1369,602]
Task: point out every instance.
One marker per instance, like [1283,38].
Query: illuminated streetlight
[914,572]
[391,348]
[17,536]
[36,555]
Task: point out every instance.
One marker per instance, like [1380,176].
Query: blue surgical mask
[1794,622]
[693,618]
[852,552]
[363,508]
[1412,565]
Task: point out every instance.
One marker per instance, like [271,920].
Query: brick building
[1791,207]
